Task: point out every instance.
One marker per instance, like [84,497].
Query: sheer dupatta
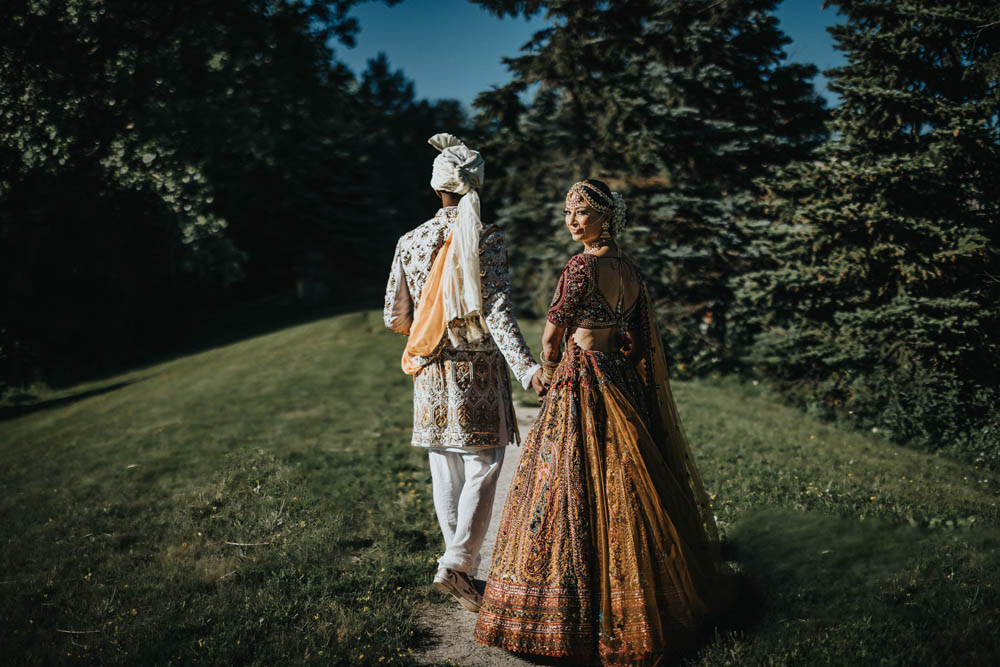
[660,573]
[650,361]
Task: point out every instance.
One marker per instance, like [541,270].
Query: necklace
[595,247]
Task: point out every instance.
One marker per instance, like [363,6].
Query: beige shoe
[460,585]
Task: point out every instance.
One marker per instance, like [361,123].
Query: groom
[448,291]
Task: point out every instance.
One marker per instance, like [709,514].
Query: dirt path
[451,624]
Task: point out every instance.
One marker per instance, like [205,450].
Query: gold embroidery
[440,416]
[603,547]
[463,374]
[463,416]
[462,397]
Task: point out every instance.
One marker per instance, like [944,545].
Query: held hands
[543,378]
[537,384]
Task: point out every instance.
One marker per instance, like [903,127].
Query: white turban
[459,169]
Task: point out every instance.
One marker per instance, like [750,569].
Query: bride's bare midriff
[602,340]
[613,286]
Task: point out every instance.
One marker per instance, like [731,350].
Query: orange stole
[428,319]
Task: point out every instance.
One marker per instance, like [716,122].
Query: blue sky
[452,48]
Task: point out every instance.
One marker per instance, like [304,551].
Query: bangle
[548,370]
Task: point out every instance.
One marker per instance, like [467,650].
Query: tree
[398,162]
[681,104]
[880,299]
[152,154]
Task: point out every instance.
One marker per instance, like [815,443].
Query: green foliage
[512,7]
[680,105]
[879,303]
[159,159]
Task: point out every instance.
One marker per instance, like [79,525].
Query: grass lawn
[259,503]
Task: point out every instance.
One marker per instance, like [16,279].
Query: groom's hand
[536,383]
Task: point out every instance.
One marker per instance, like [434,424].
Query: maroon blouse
[578,302]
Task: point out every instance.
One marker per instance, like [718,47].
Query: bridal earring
[605,237]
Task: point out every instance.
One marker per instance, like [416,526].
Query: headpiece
[585,194]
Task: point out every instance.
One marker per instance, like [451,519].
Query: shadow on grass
[13,411]
[818,565]
[252,318]
[887,589]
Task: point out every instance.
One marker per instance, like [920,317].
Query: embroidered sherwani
[461,399]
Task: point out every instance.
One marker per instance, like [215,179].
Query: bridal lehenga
[607,547]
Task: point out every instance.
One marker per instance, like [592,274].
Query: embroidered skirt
[601,549]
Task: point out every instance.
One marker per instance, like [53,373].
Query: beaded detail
[578,303]
[462,396]
[607,547]
[581,194]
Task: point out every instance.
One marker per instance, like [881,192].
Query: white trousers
[464,486]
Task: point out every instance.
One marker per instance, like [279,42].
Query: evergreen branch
[711,6]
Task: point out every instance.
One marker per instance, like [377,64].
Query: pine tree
[880,301]
[394,195]
[678,103]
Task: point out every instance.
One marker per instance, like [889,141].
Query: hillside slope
[258,503]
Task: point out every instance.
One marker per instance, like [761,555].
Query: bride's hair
[599,188]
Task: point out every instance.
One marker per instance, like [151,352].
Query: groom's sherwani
[461,398]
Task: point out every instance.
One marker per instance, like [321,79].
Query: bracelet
[548,370]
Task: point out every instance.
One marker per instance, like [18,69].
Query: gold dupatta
[676,441]
[679,576]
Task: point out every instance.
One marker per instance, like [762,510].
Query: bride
[607,543]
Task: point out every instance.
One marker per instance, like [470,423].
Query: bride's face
[583,222]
